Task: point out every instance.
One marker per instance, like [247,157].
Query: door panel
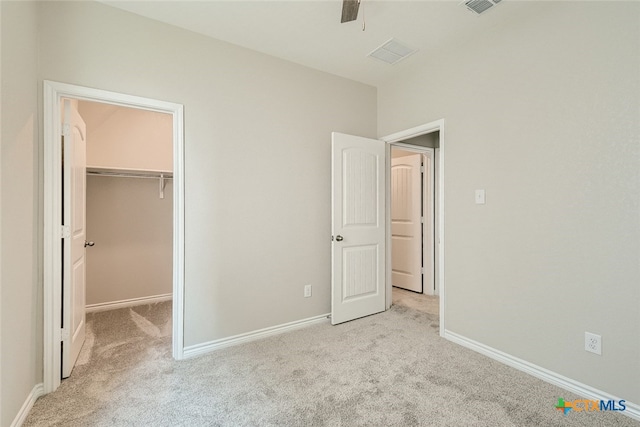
[74,217]
[359,267]
[358,227]
[406,225]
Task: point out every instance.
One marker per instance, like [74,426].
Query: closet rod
[160,176]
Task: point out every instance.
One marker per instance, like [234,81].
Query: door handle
[88,243]
[339,238]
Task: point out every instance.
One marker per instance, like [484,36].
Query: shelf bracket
[161,182]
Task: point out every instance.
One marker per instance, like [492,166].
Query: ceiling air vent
[480,6]
[392,51]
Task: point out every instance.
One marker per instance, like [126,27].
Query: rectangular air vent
[392,51]
[480,6]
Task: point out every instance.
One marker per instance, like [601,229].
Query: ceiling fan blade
[349,10]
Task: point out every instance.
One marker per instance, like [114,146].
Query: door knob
[339,238]
[88,243]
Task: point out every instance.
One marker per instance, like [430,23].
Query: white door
[358,227]
[74,194]
[406,224]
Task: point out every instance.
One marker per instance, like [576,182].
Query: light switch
[480,198]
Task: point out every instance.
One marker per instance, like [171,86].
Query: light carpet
[421,302]
[390,369]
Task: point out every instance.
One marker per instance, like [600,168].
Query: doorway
[412,228]
[361,271]
[412,219]
[129,195]
[54,93]
[422,139]
[128,198]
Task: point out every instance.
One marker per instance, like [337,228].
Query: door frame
[53,92]
[396,139]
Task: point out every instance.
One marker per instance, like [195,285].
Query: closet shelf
[161,176]
[129,173]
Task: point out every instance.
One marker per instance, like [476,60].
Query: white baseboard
[632,410]
[104,306]
[207,347]
[36,392]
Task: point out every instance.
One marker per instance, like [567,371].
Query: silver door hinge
[422,270]
[66,129]
[421,220]
[65,231]
[64,334]
[422,168]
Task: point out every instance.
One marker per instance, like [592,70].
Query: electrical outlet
[593,343]
[307,291]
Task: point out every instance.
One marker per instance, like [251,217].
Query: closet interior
[129,206]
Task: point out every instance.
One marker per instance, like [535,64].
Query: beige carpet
[427,303]
[390,369]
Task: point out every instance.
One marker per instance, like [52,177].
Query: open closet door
[73,269]
[358,227]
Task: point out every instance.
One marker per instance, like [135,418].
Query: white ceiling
[309,32]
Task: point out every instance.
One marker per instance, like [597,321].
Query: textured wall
[21,305]
[257,157]
[132,228]
[543,115]
[127,138]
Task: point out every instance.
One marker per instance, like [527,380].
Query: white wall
[127,138]
[132,230]
[21,329]
[543,115]
[257,157]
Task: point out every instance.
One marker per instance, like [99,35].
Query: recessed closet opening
[65,233]
[129,205]
[128,249]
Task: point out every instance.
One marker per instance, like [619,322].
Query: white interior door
[74,195]
[406,223]
[358,227]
